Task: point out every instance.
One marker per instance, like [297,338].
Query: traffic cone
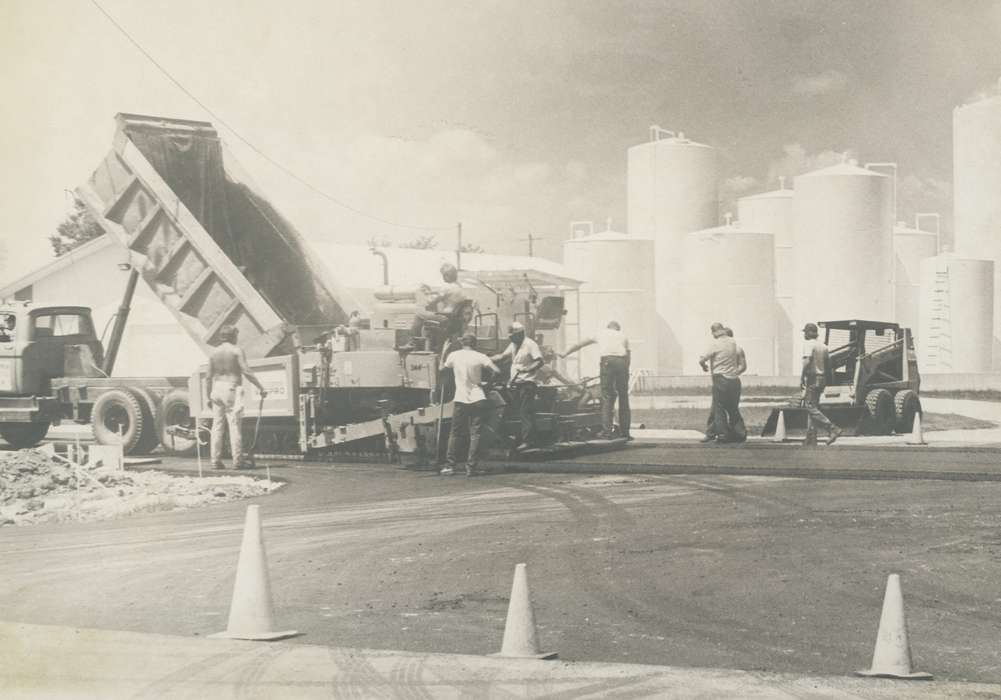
[251,615]
[780,428]
[520,638]
[892,656]
[917,436]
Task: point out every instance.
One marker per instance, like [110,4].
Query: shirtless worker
[227,368]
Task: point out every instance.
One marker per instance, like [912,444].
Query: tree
[427,242]
[471,248]
[78,228]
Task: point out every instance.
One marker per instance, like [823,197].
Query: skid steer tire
[175,410]
[879,414]
[22,435]
[120,408]
[906,405]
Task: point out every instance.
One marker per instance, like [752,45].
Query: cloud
[796,161]
[820,83]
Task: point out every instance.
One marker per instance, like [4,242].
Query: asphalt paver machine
[873,384]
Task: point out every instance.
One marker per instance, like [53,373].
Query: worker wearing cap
[439,305]
[726,361]
[614,366]
[813,379]
[526,360]
[470,404]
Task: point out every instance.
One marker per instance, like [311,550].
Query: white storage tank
[910,247]
[618,276]
[976,141]
[844,246]
[773,213]
[956,310]
[729,276]
[672,190]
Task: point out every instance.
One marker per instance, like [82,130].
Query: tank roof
[732,228]
[905,230]
[609,236]
[842,169]
[773,194]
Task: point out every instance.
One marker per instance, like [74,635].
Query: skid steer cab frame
[873,381]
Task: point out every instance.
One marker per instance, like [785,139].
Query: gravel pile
[36,487]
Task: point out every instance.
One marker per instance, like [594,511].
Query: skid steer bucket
[848,418]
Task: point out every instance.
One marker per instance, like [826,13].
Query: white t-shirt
[522,358]
[611,343]
[467,366]
[817,356]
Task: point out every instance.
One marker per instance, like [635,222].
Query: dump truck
[215,252]
[873,385]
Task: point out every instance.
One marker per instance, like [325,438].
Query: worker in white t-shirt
[470,404]
[526,360]
[613,346]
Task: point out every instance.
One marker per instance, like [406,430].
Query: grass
[755,417]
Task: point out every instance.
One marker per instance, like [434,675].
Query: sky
[510,116]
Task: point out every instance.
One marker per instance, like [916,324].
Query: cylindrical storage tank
[618,285]
[910,247]
[772,212]
[844,246]
[729,277]
[955,312]
[672,190]
[976,186]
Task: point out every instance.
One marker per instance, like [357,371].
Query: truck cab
[38,344]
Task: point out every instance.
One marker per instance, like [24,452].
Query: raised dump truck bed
[213,250]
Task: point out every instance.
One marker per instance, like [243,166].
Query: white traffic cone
[917,436]
[892,656]
[251,615]
[780,428]
[521,641]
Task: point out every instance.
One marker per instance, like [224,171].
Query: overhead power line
[287,171]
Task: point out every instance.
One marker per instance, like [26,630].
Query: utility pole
[458,248]
[531,243]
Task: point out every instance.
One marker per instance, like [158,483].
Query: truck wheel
[175,410]
[880,417]
[21,435]
[150,437]
[906,405]
[119,419]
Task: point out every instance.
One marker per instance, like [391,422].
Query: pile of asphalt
[36,487]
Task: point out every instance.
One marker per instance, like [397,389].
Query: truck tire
[119,409]
[21,435]
[879,414]
[175,409]
[150,437]
[906,405]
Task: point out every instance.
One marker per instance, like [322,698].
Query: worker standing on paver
[726,361]
[439,306]
[614,365]
[526,360]
[227,369]
[813,380]
[470,404]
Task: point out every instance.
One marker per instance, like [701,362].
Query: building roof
[62,262]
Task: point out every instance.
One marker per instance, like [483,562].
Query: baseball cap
[515,327]
[810,327]
[716,327]
[468,339]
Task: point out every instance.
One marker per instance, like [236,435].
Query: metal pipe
[385,265]
[118,332]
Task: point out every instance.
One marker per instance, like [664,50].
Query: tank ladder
[940,341]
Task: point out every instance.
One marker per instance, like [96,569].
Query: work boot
[835,434]
[522,447]
[218,465]
[447,471]
[708,438]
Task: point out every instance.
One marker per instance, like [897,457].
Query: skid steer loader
[873,381]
